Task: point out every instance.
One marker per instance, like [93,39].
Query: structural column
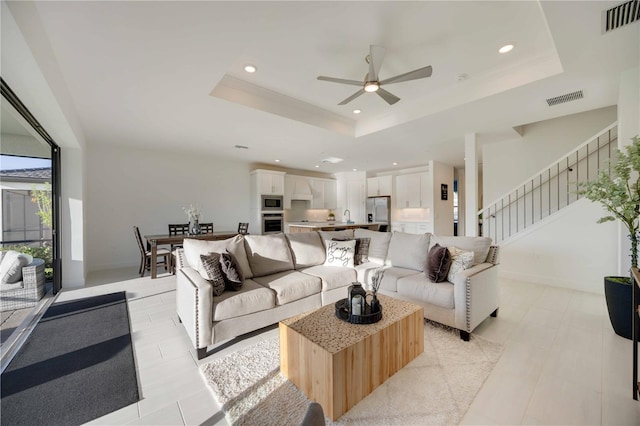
[471,185]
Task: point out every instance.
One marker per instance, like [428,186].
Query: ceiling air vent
[332,160]
[574,96]
[621,15]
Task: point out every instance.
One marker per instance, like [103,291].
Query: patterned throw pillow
[362,249]
[232,273]
[340,253]
[460,260]
[211,265]
[438,263]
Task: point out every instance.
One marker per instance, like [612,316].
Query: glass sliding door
[30,187]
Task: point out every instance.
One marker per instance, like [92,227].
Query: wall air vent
[621,15]
[574,96]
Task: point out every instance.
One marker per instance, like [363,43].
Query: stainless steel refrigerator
[379,211]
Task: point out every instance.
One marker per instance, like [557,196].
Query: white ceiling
[143,73]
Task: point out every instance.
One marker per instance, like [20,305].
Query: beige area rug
[436,388]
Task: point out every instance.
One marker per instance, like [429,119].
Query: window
[20,220]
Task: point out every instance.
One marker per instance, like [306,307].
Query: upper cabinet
[324,194]
[381,185]
[271,183]
[412,191]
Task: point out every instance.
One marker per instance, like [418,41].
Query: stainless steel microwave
[272,203]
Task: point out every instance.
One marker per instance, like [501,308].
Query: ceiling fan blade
[411,75]
[340,80]
[352,97]
[390,98]
[376,56]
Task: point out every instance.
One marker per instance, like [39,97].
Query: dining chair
[178,229]
[145,255]
[207,228]
[243,228]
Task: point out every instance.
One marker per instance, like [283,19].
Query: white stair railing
[550,190]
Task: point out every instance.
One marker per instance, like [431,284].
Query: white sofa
[285,275]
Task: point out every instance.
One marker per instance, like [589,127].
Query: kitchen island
[294,227]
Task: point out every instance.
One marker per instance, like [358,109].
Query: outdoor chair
[28,291]
[145,255]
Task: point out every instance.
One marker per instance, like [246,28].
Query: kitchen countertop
[330,224]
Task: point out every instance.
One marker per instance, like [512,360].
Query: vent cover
[574,96]
[332,160]
[621,15]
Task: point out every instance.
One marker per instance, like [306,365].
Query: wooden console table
[165,239]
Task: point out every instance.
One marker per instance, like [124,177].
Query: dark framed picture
[444,191]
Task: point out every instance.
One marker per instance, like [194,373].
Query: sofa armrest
[33,274]
[475,295]
[194,304]
[180,261]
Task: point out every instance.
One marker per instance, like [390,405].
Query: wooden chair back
[207,228]
[243,228]
[178,228]
[136,231]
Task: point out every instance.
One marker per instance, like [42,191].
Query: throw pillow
[438,263]
[11,266]
[340,253]
[232,273]
[460,260]
[211,265]
[362,249]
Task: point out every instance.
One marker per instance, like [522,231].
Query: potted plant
[618,192]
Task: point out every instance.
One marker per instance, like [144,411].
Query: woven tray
[342,312]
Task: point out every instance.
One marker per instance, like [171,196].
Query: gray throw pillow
[211,265]
[232,273]
[438,264]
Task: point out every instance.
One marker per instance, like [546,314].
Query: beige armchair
[25,293]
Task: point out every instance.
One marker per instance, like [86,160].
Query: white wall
[508,164]
[442,209]
[127,187]
[568,250]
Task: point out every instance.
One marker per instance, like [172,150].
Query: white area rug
[436,388]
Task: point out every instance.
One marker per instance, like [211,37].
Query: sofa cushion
[392,275]
[365,271]
[420,288]
[378,246]
[11,266]
[290,285]
[330,235]
[251,298]
[268,254]
[438,263]
[193,248]
[211,264]
[307,249]
[233,278]
[408,250]
[460,260]
[478,245]
[332,277]
[340,253]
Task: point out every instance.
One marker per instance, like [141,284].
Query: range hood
[301,190]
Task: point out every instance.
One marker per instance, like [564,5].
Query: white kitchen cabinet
[379,186]
[352,195]
[411,227]
[324,194]
[413,191]
[271,183]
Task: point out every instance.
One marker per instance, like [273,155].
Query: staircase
[552,189]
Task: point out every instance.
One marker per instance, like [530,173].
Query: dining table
[165,239]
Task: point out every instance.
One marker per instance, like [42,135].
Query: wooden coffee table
[337,364]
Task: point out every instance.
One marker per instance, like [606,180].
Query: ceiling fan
[371,82]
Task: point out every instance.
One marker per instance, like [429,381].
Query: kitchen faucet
[348,214]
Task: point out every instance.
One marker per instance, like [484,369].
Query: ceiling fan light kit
[371,81]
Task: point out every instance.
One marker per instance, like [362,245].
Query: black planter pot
[618,293]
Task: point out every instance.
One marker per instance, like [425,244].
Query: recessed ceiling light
[355,170]
[395,164]
[316,166]
[356,111]
[506,48]
[277,161]
[250,68]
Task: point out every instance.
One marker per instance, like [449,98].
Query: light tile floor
[562,362]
